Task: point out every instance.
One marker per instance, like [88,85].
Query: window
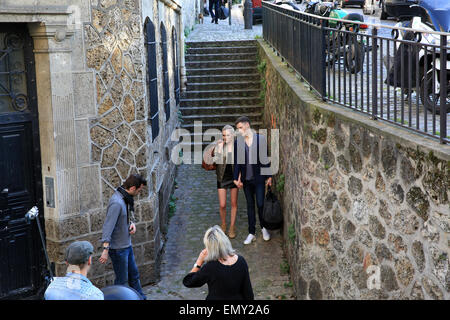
[165,71]
[152,76]
[176,73]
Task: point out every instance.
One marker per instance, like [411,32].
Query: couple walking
[238,166]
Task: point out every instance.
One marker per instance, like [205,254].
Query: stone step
[236,49]
[220,101]
[251,77]
[220,118]
[220,64]
[236,43]
[220,70]
[243,110]
[216,125]
[220,56]
[192,86]
[221,93]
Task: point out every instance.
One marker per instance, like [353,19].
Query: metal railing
[383,71]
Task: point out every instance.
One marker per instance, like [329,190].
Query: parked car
[400,9]
[287,4]
[344,3]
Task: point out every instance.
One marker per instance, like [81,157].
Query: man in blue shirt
[75,285]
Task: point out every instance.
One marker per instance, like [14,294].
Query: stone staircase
[223,83]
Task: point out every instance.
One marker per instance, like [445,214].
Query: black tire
[428,98]
[384,15]
[354,56]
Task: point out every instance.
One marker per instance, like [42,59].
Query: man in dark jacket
[249,174]
[117,230]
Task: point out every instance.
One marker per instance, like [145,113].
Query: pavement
[223,31]
[197,209]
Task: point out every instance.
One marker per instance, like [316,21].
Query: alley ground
[197,209]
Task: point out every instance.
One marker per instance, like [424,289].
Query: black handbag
[272,213]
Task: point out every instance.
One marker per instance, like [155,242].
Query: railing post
[248,15]
[374,72]
[322,60]
[443,89]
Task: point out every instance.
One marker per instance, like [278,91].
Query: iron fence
[387,72]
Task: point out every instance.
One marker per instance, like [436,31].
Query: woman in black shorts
[223,157]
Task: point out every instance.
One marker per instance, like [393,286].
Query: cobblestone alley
[197,209]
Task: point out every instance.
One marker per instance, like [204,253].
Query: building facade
[89,93]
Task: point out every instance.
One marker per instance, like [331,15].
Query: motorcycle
[429,19]
[341,44]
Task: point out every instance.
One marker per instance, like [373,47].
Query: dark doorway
[22,257]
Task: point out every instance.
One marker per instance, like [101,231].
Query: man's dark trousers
[253,189]
[125,268]
[216,5]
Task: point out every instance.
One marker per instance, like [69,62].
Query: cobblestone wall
[357,194]
[114,139]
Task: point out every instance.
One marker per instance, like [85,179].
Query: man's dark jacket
[239,154]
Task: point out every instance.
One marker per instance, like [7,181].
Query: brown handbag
[206,166]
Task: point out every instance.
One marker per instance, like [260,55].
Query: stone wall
[359,195]
[93,103]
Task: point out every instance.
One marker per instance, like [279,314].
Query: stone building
[89,91]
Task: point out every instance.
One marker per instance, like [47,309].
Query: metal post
[443,89]
[374,73]
[230,4]
[248,14]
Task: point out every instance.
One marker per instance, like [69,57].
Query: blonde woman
[218,265]
[224,157]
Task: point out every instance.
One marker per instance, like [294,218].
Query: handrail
[375,25]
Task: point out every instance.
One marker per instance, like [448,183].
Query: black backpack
[272,213]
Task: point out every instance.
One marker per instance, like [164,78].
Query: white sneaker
[266,234]
[249,239]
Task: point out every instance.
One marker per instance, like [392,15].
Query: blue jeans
[216,5]
[252,189]
[126,269]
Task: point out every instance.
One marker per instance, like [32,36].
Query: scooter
[429,74]
[342,44]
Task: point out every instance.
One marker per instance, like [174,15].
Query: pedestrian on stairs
[215,14]
[248,173]
[224,158]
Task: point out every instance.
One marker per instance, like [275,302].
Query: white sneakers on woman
[252,237]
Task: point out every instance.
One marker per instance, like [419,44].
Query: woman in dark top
[225,272]
[223,158]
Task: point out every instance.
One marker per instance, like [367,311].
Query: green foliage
[284,267]
[258,37]
[172,206]
[280,184]
[291,233]
[288,284]
[180,116]
[262,67]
